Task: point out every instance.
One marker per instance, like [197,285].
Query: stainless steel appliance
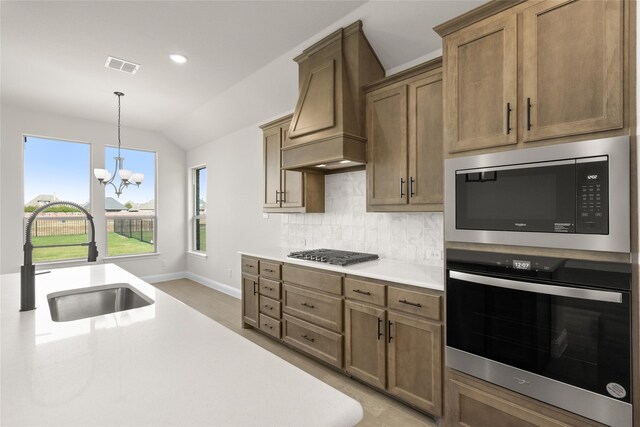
[573,196]
[557,330]
[332,256]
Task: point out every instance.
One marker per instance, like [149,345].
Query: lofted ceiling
[53,52]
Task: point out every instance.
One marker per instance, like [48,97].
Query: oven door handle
[562,291]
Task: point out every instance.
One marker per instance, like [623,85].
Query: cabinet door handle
[255,290]
[401,187]
[277,192]
[508,118]
[283,196]
[389,326]
[358,291]
[308,338]
[308,305]
[379,329]
[411,181]
[415,304]
[528,113]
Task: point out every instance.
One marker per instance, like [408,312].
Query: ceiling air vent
[122,65]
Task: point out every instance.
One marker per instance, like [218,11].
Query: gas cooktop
[331,256]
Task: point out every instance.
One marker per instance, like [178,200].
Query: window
[56,170]
[199,235]
[131,218]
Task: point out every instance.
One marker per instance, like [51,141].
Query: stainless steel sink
[95,301]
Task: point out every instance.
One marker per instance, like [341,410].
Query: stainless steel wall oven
[557,330]
[573,196]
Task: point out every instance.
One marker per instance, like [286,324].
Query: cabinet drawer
[422,304]
[320,309]
[250,265]
[269,288]
[270,307]
[316,341]
[270,269]
[327,282]
[270,326]
[361,290]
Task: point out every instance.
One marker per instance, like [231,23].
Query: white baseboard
[164,277]
[229,290]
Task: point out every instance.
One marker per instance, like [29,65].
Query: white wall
[234,208]
[171,181]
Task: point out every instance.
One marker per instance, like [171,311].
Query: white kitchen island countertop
[429,276]
[164,364]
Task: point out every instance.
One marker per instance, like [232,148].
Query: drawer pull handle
[248,265]
[308,338]
[270,327]
[269,270]
[269,307]
[308,305]
[358,291]
[415,304]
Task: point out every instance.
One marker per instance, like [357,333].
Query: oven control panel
[592,188]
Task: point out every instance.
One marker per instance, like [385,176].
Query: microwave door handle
[562,291]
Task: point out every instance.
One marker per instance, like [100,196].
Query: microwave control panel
[592,188]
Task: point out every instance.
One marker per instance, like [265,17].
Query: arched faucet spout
[28,270]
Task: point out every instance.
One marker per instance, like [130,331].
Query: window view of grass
[118,245]
[203,237]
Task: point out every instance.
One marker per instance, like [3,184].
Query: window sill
[202,255]
[131,257]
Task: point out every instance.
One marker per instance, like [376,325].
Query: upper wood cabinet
[284,190]
[571,67]
[404,133]
[538,70]
[480,103]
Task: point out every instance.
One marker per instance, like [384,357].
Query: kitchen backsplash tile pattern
[413,237]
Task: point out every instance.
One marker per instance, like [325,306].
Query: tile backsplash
[414,237]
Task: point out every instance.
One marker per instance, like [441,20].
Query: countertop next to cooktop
[429,276]
[164,364]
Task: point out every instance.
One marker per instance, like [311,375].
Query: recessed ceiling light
[321,166]
[345,161]
[177,58]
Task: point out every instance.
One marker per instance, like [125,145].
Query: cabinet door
[250,302]
[387,147]
[272,167]
[480,85]
[292,182]
[572,68]
[365,343]
[425,142]
[415,361]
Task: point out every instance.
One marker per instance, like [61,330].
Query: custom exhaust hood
[328,127]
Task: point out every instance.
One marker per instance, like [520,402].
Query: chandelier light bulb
[125,174]
[137,178]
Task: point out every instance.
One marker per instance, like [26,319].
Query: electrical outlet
[434,254]
[265,215]
[164,263]
[230,272]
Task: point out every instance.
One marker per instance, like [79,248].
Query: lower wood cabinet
[396,352]
[414,361]
[475,403]
[250,300]
[365,343]
[384,334]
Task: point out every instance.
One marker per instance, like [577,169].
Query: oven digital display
[521,265]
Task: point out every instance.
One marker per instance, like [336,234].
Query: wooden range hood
[328,129]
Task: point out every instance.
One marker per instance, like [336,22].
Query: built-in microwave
[572,196]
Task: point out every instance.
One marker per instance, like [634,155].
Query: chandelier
[126,176]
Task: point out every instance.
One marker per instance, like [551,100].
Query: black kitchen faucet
[28,270]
